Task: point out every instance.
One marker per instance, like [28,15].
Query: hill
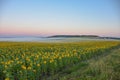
[66,36]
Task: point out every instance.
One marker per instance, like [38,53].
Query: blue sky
[51,17]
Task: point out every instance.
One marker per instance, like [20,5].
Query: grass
[103,67]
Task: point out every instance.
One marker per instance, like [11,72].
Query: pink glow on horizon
[43,33]
[61,31]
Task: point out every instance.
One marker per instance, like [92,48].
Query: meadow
[45,61]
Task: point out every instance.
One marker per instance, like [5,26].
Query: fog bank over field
[59,38]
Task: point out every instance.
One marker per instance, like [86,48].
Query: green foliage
[35,61]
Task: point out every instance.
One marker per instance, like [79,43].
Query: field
[60,61]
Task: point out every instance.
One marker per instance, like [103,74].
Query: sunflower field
[33,60]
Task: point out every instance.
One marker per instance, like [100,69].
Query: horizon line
[9,36]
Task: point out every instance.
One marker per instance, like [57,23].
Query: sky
[59,17]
